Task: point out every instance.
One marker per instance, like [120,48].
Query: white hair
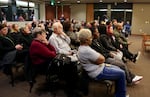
[56,25]
[84,34]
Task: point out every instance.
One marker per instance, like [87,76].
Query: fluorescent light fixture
[19,3]
[23,3]
[4,1]
[58,1]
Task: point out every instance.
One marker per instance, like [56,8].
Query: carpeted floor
[141,67]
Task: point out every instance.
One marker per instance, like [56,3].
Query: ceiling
[90,1]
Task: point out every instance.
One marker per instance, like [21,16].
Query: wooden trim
[89,12]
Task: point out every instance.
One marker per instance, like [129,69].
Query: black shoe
[124,60]
[136,57]
[74,94]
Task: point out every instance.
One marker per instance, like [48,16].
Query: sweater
[41,53]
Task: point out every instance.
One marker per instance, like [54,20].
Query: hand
[121,46]
[63,33]
[45,41]
[19,47]
[111,54]
[118,50]
[129,43]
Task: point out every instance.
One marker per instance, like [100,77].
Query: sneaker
[135,83]
[137,79]
[138,56]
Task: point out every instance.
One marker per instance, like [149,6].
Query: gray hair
[84,34]
[37,31]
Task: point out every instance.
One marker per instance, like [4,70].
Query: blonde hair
[84,34]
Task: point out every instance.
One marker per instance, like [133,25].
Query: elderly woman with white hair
[93,63]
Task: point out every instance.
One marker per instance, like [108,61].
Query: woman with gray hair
[93,63]
[41,51]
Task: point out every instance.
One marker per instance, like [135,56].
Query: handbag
[56,68]
[62,59]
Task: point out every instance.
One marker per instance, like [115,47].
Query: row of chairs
[31,71]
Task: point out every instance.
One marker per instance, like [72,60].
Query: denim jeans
[121,65]
[116,74]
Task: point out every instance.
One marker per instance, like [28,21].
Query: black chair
[8,64]
[33,70]
[46,69]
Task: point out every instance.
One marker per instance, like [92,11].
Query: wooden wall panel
[66,11]
[89,12]
[50,12]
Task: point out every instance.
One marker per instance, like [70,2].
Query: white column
[42,11]
[109,11]
[36,12]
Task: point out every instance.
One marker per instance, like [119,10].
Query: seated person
[68,29]
[106,42]
[61,41]
[8,49]
[93,63]
[121,44]
[109,58]
[119,36]
[41,51]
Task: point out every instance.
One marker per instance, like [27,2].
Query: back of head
[37,31]
[84,34]
[66,26]
[2,26]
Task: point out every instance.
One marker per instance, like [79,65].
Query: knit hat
[2,26]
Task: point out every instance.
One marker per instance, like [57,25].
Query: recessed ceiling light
[125,0]
[58,1]
[100,0]
[78,1]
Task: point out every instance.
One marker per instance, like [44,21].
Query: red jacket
[40,52]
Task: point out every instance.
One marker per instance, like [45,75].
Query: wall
[42,11]
[50,12]
[90,12]
[141,19]
[20,24]
[78,12]
[66,11]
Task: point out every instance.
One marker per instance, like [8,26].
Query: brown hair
[2,26]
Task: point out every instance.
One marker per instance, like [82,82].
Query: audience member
[61,42]
[109,58]
[68,29]
[8,49]
[93,63]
